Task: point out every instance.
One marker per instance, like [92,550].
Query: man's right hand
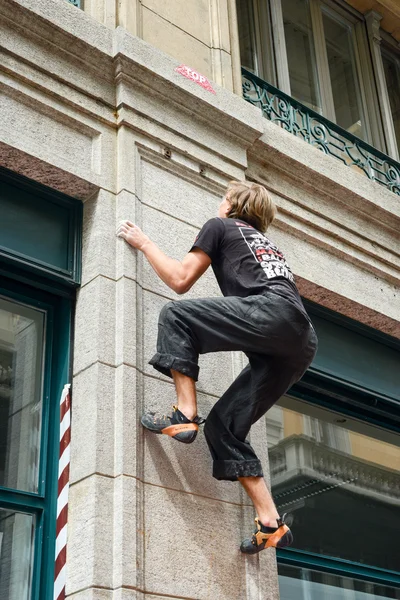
[132,234]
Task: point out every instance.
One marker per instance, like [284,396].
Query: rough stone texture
[126,413]
[95,321]
[98,237]
[92,438]
[29,166]
[188,200]
[90,534]
[217,567]
[162,229]
[176,42]
[125,313]
[94,594]
[349,308]
[125,532]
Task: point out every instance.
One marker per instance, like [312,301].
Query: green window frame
[43,504]
[48,285]
[352,400]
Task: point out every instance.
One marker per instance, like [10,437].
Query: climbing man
[260,313]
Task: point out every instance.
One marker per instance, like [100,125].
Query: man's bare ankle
[189,413]
[267,521]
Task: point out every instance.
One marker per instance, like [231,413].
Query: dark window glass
[301,53]
[21,378]
[16,554]
[340,481]
[245,16]
[392,74]
[343,74]
[304,584]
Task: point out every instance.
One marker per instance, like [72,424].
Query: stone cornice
[111,66]
[140,65]
[311,169]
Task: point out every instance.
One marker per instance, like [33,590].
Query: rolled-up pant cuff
[231,470]
[165,362]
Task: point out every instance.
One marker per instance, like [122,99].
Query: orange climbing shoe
[268,537]
[176,425]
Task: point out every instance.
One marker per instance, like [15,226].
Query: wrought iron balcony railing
[314,129]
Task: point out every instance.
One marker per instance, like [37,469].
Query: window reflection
[391,65]
[304,584]
[301,53]
[343,74]
[341,485]
[21,362]
[248,55]
[16,555]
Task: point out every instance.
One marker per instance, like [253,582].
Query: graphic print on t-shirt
[266,253]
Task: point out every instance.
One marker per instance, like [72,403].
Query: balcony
[317,131]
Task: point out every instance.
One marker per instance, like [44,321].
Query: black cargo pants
[279,342]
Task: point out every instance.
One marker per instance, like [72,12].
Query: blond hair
[252,203]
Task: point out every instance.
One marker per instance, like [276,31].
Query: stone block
[215,373]
[127,160]
[31,126]
[126,256]
[174,41]
[29,166]
[220,25]
[95,324]
[173,465]
[58,36]
[222,68]
[195,22]
[126,340]
[364,288]
[196,536]
[93,594]
[103,11]
[127,594]
[98,237]
[90,534]
[208,117]
[126,530]
[171,194]
[126,407]
[92,428]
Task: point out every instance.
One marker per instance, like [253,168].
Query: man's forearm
[168,269]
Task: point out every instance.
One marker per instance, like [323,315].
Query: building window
[22,341]
[338,480]
[391,65]
[33,369]
[316,51]
[306,584]
[35,338]
[301,54]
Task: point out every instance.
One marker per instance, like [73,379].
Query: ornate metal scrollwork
[317,131]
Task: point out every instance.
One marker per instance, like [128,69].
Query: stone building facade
[95,108]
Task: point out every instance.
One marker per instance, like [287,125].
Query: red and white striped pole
[62,499]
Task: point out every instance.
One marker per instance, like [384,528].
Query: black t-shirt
[245,261]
